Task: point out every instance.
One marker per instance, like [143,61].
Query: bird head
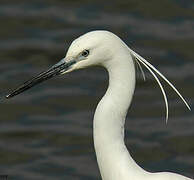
[90,49]
[93,48]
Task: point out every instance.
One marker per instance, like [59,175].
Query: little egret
[108,50]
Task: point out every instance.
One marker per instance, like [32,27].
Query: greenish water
[46,132]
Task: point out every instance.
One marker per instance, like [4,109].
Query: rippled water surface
[46,132]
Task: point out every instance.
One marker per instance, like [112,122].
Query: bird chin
[67,71]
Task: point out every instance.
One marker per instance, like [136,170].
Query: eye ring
[85,53]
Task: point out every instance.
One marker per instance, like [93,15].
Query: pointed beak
[59,68]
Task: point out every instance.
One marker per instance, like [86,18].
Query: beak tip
[8,96]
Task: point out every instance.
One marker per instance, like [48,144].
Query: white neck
[113,158]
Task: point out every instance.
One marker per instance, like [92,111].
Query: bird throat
[113,157]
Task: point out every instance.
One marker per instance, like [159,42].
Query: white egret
[106,49]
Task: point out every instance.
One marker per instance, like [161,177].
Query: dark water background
[46,133]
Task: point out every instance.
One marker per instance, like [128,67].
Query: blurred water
[46,133]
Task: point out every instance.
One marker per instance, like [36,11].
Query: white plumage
[111,52]
[106,49]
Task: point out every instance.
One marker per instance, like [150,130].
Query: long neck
[113,158]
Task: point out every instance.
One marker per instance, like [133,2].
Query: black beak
[57,69]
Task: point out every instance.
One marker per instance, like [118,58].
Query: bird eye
[85,53]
